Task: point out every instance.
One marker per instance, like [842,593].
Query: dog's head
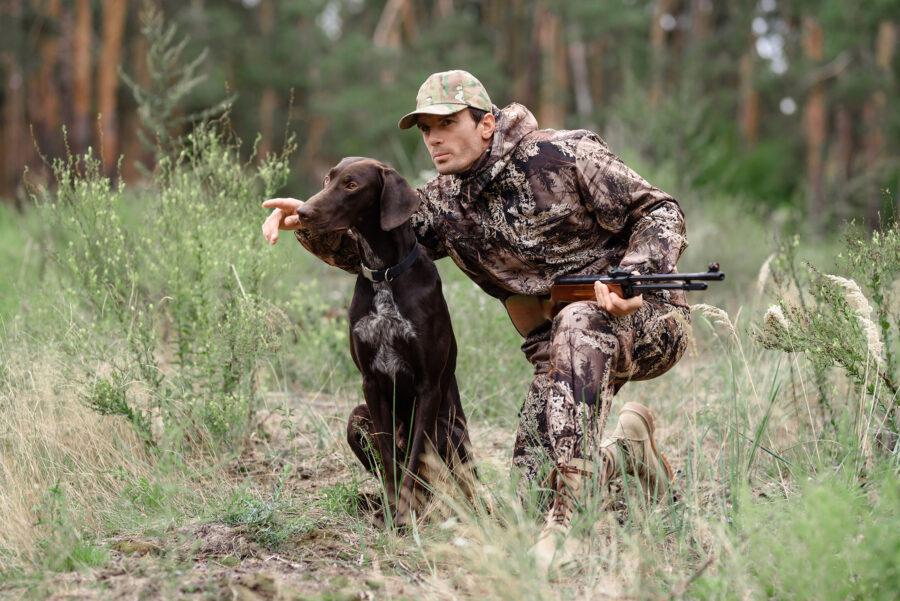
[357,189]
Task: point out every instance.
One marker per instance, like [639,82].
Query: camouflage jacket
[540,203]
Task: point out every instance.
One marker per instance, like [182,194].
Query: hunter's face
[455,141]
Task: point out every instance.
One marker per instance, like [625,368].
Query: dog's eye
[352,186]
[326,180]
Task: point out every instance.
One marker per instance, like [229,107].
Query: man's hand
[283,217]
[609,297]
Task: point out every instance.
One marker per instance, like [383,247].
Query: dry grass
[49,439]
[287,514]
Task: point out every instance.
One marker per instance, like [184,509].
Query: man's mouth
[440,155]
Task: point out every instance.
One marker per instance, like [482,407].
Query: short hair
[477,114]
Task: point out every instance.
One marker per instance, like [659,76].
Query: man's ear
[488,125]
[398,200]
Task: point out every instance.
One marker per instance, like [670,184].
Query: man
[516,207]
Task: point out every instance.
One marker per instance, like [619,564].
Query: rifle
[571,288]
[530,312]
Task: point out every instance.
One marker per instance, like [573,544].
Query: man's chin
[447,169]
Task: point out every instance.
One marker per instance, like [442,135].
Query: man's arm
[339,248]
[623,201]
[424,218]
[335,248]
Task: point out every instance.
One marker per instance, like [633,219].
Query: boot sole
[646,415]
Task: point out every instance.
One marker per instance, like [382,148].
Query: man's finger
[270,231]
[626,306]
[270,226]
[292,222]
[602,293]
[288,205]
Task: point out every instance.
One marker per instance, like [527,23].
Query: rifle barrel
[673,286]
[637,280]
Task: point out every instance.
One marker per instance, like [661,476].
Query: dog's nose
[304,212]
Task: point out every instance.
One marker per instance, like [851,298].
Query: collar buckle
[389,274]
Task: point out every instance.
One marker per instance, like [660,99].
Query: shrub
[832,321]
[167,284]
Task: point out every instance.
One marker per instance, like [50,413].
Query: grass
[772,502]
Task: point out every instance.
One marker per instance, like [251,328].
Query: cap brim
[435,109]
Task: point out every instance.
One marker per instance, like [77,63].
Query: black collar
[388,274]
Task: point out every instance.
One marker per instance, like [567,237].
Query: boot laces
[564,499]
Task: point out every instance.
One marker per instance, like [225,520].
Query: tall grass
[134,365]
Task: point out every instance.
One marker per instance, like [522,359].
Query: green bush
[835,541]
[175,324]
[830,319]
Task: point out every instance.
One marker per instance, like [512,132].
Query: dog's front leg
[384,438]
[428,402]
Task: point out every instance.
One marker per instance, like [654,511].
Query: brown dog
[401,338]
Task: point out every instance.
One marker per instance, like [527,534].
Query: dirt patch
[337,553]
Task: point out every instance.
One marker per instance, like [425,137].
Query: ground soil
[299,443]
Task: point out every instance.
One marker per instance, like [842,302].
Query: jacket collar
[514,122]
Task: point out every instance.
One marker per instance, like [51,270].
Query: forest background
[174,392]
[737,95]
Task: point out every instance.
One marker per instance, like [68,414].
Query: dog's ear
[398,200]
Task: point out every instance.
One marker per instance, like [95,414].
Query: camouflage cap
[446,93]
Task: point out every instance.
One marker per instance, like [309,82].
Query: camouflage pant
[580,361]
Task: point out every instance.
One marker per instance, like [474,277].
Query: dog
[402,340]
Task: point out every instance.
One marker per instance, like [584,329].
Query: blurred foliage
[345,92]
[722,92]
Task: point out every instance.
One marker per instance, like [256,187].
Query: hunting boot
[568,484]
[633,446]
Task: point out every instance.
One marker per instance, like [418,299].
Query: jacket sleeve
[335,248]
[339,248]
[625,203]
[423,220]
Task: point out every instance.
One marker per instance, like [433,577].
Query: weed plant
[171,325]
[829,318]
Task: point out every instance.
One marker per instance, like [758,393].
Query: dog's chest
[385,332]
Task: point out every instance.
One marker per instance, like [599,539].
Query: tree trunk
[46,106]
[874,116]
[815,121]
[597,67]
[14,140]
[658,44]
[840,159]
[520,51]
[81,97]
[701,19]
[311,156]
[408,21]
[444,8]
[551,100]
[136,153]
[749,103]
[114,12]
[584,104]
[16,145]
[268,102]
[387,31]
